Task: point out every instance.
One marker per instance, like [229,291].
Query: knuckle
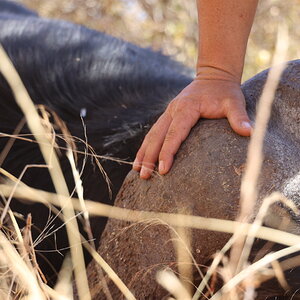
[166,153]
[148,164]
[172,107]
[185,107]
[181,106]
[171,135]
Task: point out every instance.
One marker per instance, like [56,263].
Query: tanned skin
[224,28]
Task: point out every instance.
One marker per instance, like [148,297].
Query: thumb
[239,120]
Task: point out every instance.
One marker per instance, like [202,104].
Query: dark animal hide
[205,181]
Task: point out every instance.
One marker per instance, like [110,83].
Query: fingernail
[143,172]
[246,125]
[161,166]
[135,164]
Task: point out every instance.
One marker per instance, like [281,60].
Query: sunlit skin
[224,28]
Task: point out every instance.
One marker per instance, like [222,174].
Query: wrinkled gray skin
[205,181]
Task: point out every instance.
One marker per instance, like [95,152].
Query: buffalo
[205,181]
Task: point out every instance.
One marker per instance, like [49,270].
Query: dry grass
[20,276]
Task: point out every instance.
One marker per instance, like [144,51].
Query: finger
[238,119]
[148,154]
[177,133]
[137,164]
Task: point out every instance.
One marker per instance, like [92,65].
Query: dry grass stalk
[172,284]
[79,191]
[182,245]
[111,273]
[87,225]
[249,293]
[176,220]
[34,123]
[280,275]
[63,287]
[54,295]
[226,274]
[11,141]
[255,149]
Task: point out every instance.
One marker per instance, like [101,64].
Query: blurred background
[171,25]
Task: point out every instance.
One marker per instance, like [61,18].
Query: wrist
[210,72]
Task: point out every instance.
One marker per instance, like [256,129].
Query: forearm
[224,27]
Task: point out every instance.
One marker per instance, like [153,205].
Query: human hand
[202,98]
